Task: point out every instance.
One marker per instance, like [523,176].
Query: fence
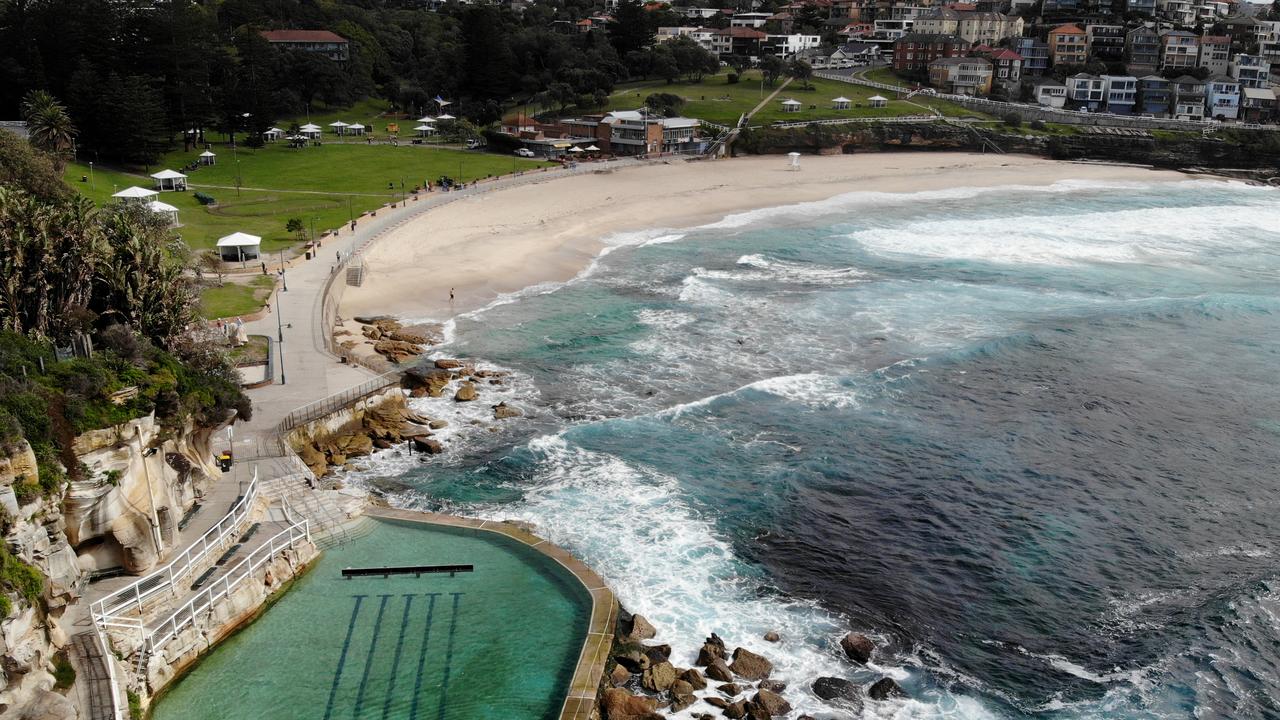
[329,405]
[1048,114]
[113,610]
[118,709]
[203,602]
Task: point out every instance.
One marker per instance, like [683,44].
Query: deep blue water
[1028,437]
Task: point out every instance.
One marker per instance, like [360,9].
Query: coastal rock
[839,691]
[885,688]
[438,424]
[680,702]
[771,702]
[370,319]
[658,677]
[397,351]
[466,393]
[736,710]
[314,459]
[425,381]
[448,364]
[641,629]
[620,676]
[658,653]
[634,661]
[618,704]
[427,445]
[387,324]
[772,685]
[730,689]
[680,687]
[502,411]
[750,665]
[709,653]
[718,670]
[371,332]
[694,678]
[719,702]
[772,636]
[410,336]
[857,647]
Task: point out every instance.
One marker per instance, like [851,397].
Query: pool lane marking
[448,656]
[422,654]
[342,658]
[395,663]
[368,660]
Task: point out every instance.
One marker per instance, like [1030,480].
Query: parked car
[525,152]
[474,144]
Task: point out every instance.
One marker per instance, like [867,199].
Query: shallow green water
[500,642]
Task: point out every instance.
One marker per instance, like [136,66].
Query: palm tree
[49,126]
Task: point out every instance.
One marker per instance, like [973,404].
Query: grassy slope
[232,299]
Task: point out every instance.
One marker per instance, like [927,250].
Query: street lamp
[280,337]
[93,183]
[283,281]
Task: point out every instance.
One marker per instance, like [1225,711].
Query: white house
[1121,92]
[1223,98]
[1051,93]
[784,46]
[1086,90]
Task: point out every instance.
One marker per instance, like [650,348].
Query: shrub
[1037,125]
[733,78]
[20,577]
[64,674]
[204,199]
[1013,120]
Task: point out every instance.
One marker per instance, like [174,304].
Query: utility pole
[283,280]
[280,337]
[155,519]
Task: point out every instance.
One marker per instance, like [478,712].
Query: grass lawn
[887,76]
[233,298]
[254,351]
[325,185]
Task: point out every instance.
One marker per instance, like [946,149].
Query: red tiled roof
[1005,54]
[302,36]
[742,32]
[1067,29]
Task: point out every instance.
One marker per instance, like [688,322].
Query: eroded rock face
[618,704]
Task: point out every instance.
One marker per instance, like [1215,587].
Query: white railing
[118,709]
[331,404]
[204,601]
[115,608]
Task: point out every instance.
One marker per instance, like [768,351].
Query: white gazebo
[239,246]
[877,101]
[576,149]
[272,135]
[592,148]
[309,131]
[339,127]
[424,130]
[841,103]
[169,212]
[170,180]
[790,105]
[426,119]
[445,117]
[134,194]
[355,129]
[208,157]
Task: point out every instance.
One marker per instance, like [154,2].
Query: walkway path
[765,101]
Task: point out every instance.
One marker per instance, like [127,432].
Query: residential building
[1034,53]
[1006,66]
[976,27]
[1086,91]
[749,19]
[1142,51]
[915,51]
[1257,104]
[1155,96]
[1141,7]
[1120,92]
[1106,42]
[961,75]
[1179,49]
[1251,71]
[1269,42]
[1051,93]
[1215,53]
[853,54]
[1068,45]
[785,46]
[696,13]
[888,32]
[737,41]
[331,45]
[702,36]
[1179,12]
[1188,98]
[1223,98]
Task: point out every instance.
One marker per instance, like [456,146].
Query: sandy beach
[500,242]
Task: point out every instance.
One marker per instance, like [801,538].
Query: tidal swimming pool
[500,642]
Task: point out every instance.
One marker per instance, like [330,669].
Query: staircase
[355,272]
[329,524]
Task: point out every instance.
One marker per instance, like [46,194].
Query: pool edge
[581,698]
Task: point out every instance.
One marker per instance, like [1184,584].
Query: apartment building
[1068,45]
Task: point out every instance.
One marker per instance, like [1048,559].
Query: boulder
[641,628]
[681,687]
[371,332]
[618,704]
[448,364]
[49,705]
[885,688]
[502,411]
[466,393]
[718,670]
[736,709]
[857,647]
[428,445]
[771,702]
[658,677]
[730,689]
[620,676]
[750,665]
[719,702]
[772,685]
[658,653]
[839,691]
[772,636]
[680,702]
[397,351]
[425,381]
[694,678]
[410,336]
[370,319]
[709,653]
[386,324]
[635,661]
[438,424]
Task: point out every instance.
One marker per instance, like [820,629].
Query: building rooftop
[300,36]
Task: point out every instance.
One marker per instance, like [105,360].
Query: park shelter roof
[208,153]
[337,123]
[356,126]
[422,128]
[157,206]
[239,239]
[167,175]
[881,98]
[791,102]
[135,192]
[445,116]
[592,148]
[842,99]
[302,36]
[309,128]
[426,119]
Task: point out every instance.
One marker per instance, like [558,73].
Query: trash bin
[224,462]
[308,254]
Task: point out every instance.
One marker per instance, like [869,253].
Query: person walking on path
[450,294]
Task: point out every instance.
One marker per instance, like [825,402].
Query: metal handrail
[133,595]
[118,709]
[186,615]
[326,406]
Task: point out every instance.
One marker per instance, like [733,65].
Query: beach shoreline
[461,257]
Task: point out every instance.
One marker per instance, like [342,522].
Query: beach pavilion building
[841,103]
[791,105]
[878,101]
[208,157]
[339,127]
[355,129]
[272,134]
[239,246]
[169,212]
[425,130]
[310,131]
[171,180]
[134,195]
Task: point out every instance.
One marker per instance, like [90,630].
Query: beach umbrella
[592,148]
[576,149]
[426,119]
[445,116]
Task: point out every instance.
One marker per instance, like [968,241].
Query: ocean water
[1026,437]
